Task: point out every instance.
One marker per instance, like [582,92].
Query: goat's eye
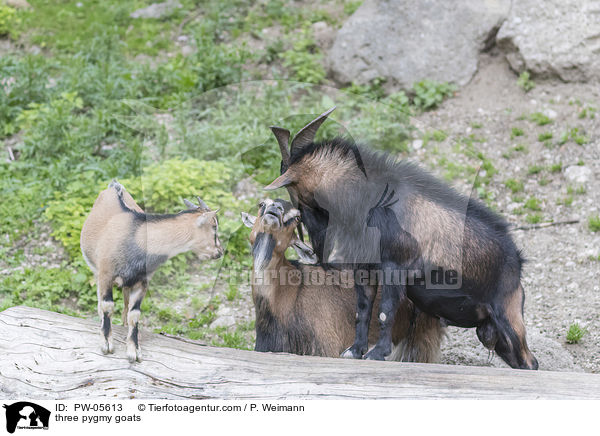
[261,204]
[297,219]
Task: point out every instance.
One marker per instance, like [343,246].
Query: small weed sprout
[594,223]
[575,333]
[524,81]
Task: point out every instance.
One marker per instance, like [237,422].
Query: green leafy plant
[533,204]
[516,131]
[428,94]
[540,119]
[524,81]
[514,185]
[575,333]
[9,21]
[594,223]
[304,60]
[534,218]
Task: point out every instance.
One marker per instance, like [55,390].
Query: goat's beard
[262,250]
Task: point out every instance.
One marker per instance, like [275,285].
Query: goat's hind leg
[106,308]
[364,305]
[138,293]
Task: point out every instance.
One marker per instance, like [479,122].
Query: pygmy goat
[305,309]
[124,246]
[455,258]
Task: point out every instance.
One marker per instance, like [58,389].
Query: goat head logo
[26,415]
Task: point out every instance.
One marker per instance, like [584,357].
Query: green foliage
[575,135]
[350,6]
[556,168]
[373,89]
[428,94]
[58,289]
[514,185]
[533,204]
[525,82]
[304,61]
[534,169]
[435,135]
[540,119]
[575,333]
[588,111]
[516,131]
[9,21]
[544,136]
[594,223]
[534,218]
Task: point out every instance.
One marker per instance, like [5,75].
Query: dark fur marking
[136,305]
[264,244]
[146,217]
[134,335]
[106,325]
[343,145]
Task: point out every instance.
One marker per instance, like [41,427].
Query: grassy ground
[172,107]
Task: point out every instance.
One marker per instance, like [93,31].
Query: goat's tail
[120,190]
[118,187]
[423,341]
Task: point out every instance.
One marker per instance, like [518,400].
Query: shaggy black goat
[447,253]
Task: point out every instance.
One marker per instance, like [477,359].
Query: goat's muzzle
[272,216]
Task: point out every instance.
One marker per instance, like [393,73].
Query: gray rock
[559,39]
[406,41]
[323,34]
[17,4]
[156,10]
[578,174]
[223,321]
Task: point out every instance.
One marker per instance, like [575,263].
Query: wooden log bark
[45,355]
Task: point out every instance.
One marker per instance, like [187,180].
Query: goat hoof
[134,355]
[107,348]
[352,352]
[375,354]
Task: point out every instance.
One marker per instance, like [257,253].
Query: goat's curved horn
[283,138]
[281,181]
[189,204]
[306,135]
[201,204]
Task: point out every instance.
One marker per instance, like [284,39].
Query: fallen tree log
[46,355]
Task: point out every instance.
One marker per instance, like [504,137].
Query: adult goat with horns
[422,240]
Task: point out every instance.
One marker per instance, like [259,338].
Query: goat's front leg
[106,307]
[364,306]
[138,293]
[391,297]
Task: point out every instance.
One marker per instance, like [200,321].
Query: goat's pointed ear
[306,135]
[248,219]
[283,138]
[189,204]
[305,252]
[281,181]
[205,217]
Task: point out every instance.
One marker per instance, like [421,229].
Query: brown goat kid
[124,246]
[305,309]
